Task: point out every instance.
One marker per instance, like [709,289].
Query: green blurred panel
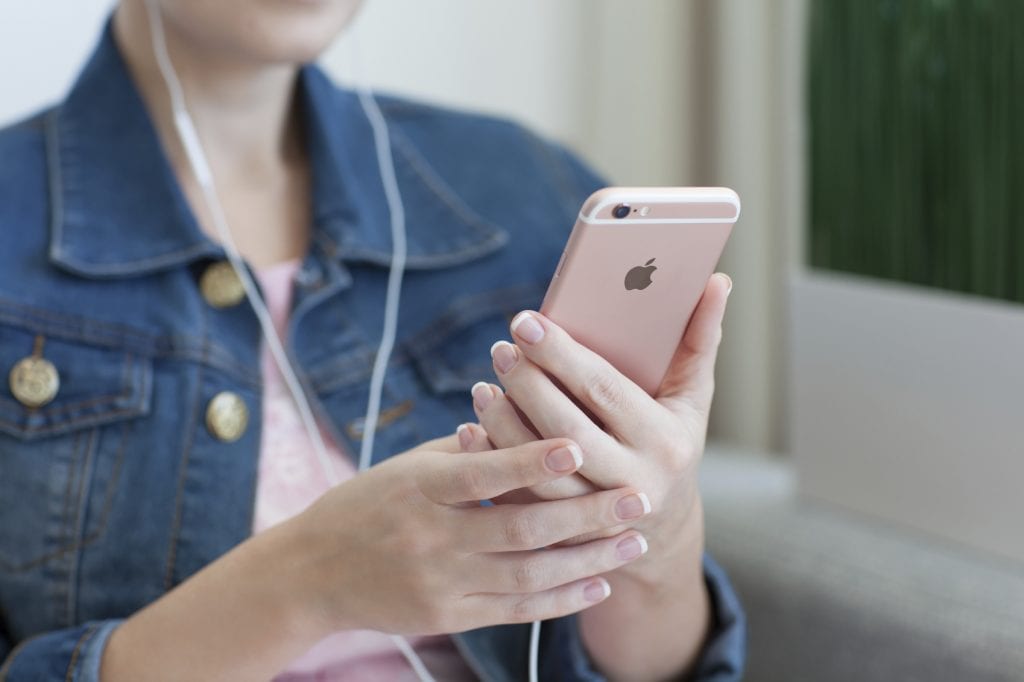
[917,142]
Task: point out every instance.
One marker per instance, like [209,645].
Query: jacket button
[221,286]
[34,381]
[227,416]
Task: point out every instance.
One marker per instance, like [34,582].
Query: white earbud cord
[189,139]
[534,650]
[387,169]
[396,209]
[385,161]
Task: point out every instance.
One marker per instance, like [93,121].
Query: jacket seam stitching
[138,266]
[463,312]
[77,525]
[55,183]
[107,335]
[438,186]
[74,425]
[62,521]
[89,633]
[96,534]
[5,669]
[172,550]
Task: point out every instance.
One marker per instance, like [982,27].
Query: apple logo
[639,277]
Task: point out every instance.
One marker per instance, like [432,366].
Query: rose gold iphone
[634,269]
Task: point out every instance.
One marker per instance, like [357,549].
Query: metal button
[34,381]
[221,286]
[227,416]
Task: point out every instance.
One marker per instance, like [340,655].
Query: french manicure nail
[630,548]
[505,356]
[597,590]
[526,327]
[465,437]
[729,280]
[633,506]
[565,458]
[482,395]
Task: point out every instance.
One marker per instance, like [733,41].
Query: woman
[146,435]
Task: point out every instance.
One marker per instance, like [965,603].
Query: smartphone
[634,269]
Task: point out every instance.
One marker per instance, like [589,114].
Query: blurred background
[864,480]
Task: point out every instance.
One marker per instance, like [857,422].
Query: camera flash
[644,210]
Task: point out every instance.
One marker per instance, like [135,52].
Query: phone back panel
[596,293]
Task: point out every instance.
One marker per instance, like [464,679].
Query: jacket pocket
[453,353]
[60,461]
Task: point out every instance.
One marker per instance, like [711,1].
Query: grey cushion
[835,596]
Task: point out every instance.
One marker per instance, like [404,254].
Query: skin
[424,558]
[653,444]
[237,61]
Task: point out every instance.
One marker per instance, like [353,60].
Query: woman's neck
[246,118]
[244,112]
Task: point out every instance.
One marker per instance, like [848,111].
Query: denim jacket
[117,490]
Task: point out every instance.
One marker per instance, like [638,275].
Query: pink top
[290,479]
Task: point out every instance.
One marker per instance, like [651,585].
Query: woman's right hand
[406,548]
[402,548]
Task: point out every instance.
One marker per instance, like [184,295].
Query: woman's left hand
[556,387]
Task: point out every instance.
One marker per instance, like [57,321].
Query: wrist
[244,616]
[676,551]
[664,599]
[285,559]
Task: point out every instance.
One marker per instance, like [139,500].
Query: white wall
[652,92]
[756,128]
[520,59]
[544,63]
[42,44]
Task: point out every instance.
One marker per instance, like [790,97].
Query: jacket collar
[117,209]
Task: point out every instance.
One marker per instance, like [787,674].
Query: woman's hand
[406,548]
[555,387]
[402,548]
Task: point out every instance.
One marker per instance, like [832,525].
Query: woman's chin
[290,50]
[269,31]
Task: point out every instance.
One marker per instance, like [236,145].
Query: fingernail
[566,458]
[729,280]
[630,548]
[482,395]
[505,356]
[465,437]
[633,506]
[527,328]
[597,590]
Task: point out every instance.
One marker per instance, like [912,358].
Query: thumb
[690,380]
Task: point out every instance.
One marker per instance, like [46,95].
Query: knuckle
[522,610]
[603,392]
[521,530]
[412,494]
[683,450]
[528,575]
[469,482]
[597,510]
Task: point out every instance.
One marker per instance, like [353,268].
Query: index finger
[483,475]
[611,396]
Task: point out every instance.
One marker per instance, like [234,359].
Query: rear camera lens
[621,211]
